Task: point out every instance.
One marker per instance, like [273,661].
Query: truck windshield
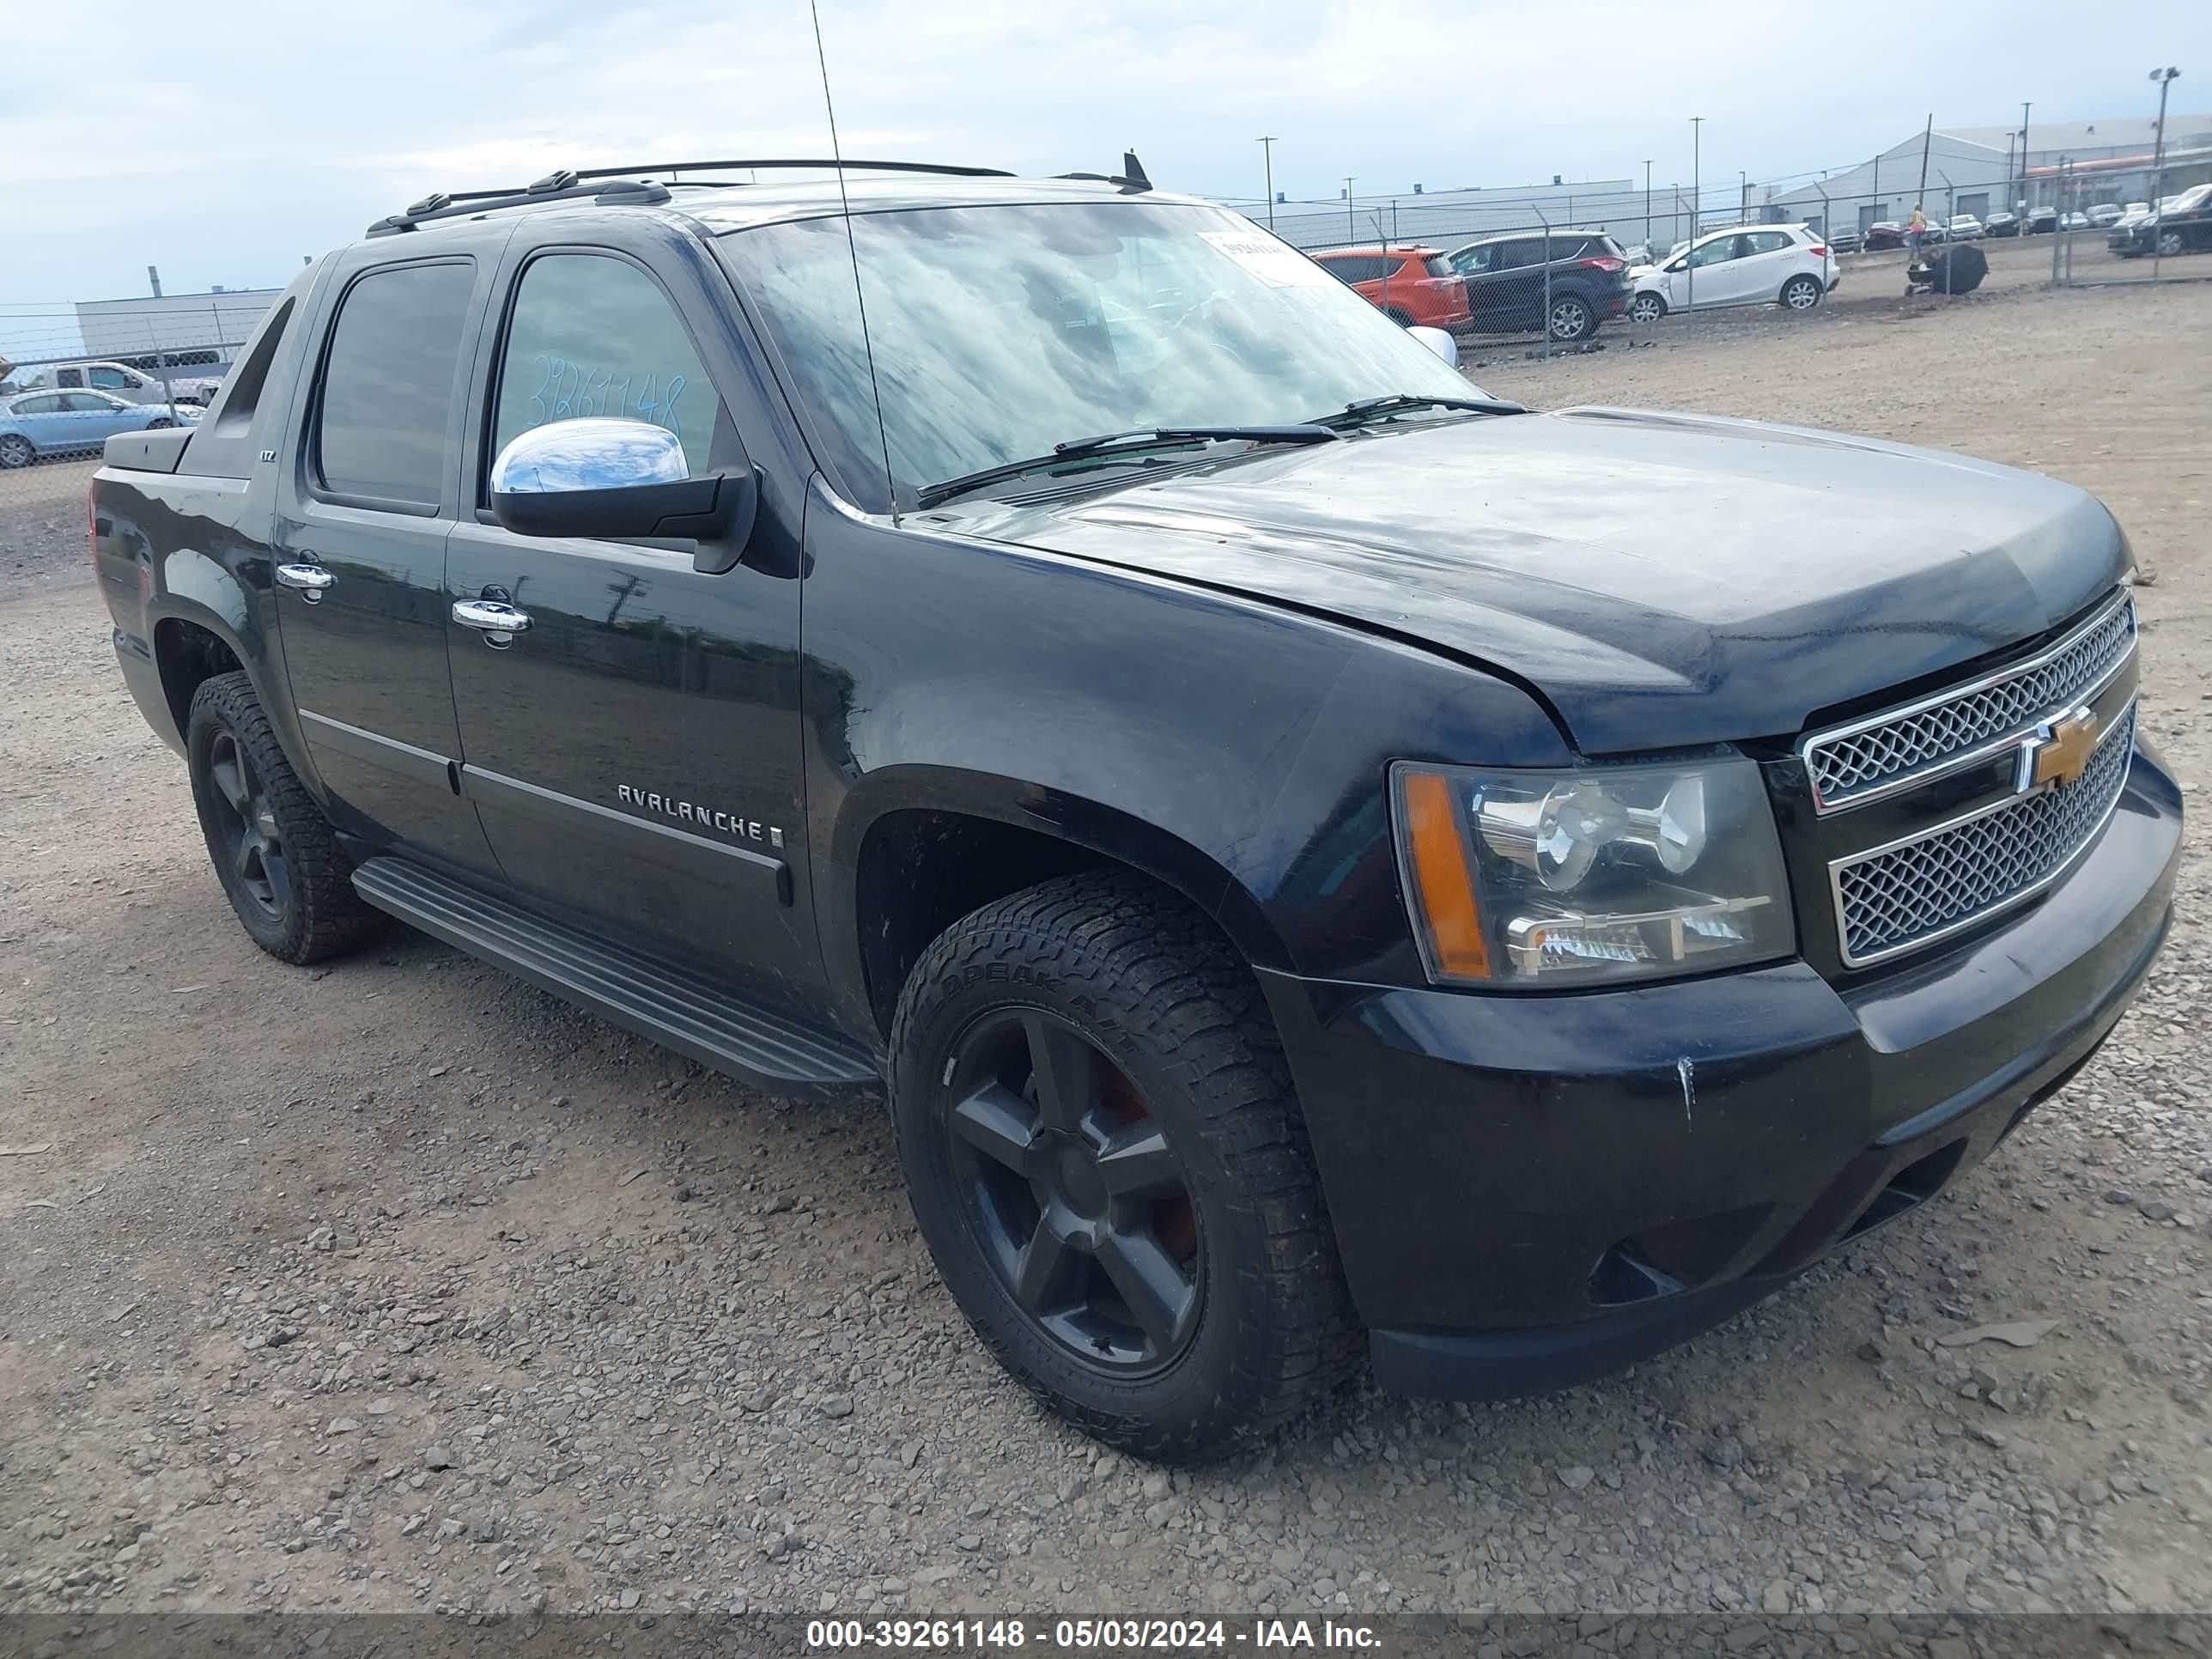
[1000,331]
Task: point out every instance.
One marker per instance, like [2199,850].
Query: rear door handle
[310,579]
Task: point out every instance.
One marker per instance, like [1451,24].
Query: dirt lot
[398,1284]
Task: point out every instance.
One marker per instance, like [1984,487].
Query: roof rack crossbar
[872,167]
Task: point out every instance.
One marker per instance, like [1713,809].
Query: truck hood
[1658,580]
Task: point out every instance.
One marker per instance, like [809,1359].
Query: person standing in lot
[1916,233]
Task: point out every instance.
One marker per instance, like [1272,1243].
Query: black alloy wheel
[1074,1191]
[288,882]
[1109,1166]
[248,843]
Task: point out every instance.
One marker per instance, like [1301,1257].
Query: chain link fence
[2163,239]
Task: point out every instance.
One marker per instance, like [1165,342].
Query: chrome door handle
[499,621]
[310,579]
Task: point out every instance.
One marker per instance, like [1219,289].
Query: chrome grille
[1901,895]
[1904,746]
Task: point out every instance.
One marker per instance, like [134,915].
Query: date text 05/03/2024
[1084,1635]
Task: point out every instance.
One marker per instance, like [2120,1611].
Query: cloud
[226,143]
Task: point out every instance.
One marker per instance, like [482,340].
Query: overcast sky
[224,142]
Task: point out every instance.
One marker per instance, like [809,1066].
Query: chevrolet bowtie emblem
[2059,753]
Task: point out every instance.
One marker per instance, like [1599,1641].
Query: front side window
[998,332]
[388,384]
[113,380]
[1474,261]
[1719,251]
[590,334]
[90,403]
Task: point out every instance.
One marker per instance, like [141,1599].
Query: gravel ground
[397,1284]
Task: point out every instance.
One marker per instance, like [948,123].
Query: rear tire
[1132,1223]
[15,451]
[1801,293]
[1571,318]
[273,850]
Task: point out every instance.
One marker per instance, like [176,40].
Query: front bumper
[1529,1191]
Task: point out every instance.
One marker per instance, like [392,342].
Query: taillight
[1607,265]
[1820,251]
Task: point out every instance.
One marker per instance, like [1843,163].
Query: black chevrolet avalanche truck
[1318,862]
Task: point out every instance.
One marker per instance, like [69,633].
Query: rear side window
[69,377]
[1770,241]
[388,385]
[1512,256]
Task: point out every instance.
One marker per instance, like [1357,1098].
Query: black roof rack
[566,184]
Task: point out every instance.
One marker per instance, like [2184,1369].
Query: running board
[674,1008]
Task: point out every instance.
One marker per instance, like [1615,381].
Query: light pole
[2024,107]
[1742,196]
[1697,212]
[1647,204]
[1350,228]
[2166,78]
[1267,150]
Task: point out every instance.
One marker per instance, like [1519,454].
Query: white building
[217,321]
[1442,219]
[1979,169]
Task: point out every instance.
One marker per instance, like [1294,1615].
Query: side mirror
[1439,342]
[618,480]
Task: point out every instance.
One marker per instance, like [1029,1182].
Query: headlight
[1526,879]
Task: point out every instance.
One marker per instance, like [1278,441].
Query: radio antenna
[852,247]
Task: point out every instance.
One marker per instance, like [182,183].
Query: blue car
[34,424]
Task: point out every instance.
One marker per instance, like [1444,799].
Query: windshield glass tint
[1000,331]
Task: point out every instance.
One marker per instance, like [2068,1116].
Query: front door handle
[310,579]
[498,621]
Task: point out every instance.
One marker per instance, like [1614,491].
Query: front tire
[1801,293]
[2169,243]
[1646,308]
[273,850]
[15,451]
[1107,1162]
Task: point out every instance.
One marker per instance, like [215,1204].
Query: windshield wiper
[1358,413]
[1112,444]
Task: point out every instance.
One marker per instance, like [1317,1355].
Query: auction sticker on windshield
[1271,261]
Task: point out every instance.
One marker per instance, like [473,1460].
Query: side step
[672,1008]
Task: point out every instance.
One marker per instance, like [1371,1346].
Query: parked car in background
[1564,282]
[1788,265]
[1963,228]
[2105,215]
[2183,224]
[44,422]
[2078,219]
[2040,222]
[1412,285]
[1883,236]
[2001,223]
[1844,241]
[132,386]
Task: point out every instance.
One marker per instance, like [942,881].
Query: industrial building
[1978,170]
[215,322]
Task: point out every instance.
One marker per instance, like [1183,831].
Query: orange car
[1414,285]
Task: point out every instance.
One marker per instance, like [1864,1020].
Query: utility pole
[1742,196]
[2166,78]
[1927,134]
[1697,213]
[1268,151]
[1350,228]
[2024,108]
[1647,204]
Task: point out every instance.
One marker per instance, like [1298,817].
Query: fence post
[1547,282]
[162,358]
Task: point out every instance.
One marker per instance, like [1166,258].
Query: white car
[1963,228]
[1788,265]
[2077,219]
[2105,215]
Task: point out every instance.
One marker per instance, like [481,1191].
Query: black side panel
[678,1009]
